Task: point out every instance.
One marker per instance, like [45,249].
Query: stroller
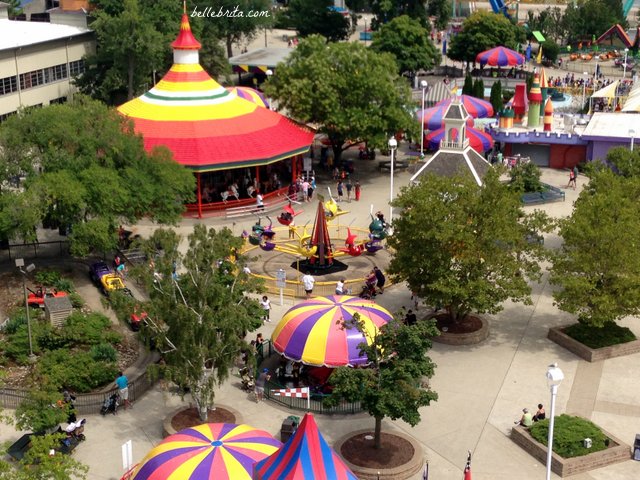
[368,291]
[110,404]
[75,430]
[246,379]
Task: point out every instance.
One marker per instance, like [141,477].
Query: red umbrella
[479,141]
[475,107]
[500,57]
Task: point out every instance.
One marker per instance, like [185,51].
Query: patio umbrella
[433,117]
[500,57]
[479,141]
[475,107]
[250,94]
[311,332]
[223,451]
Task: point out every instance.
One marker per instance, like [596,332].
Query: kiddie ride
[36,299]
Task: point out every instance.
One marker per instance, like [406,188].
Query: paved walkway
[481,388]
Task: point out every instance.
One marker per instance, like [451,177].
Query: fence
[86,403]
[57,248]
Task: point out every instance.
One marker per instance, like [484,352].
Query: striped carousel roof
[206,126]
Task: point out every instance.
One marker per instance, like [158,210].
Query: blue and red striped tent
[305,456]
[500,57]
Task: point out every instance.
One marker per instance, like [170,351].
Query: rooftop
[612,125]
[17,34]
[267,57]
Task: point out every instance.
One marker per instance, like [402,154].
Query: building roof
[261,59]
[449,163]
[456,111]
[16,34]
[615,32]
[612,125]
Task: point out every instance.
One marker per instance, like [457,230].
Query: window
[8,85]
[58,100]
[4,116]
[76,67]
[53,74]
[31,79]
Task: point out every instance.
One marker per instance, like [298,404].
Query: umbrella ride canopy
[500,57]
[305,456]
[311,332]
[223,451]
[205,126]
[479,141]
[251,94]
[433,118]
[475,107]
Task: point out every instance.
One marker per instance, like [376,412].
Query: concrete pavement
[482,388]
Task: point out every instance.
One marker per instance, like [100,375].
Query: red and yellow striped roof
[205,126]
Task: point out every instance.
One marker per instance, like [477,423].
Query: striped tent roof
[305,456]
[205,126]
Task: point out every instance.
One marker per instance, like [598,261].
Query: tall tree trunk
[130,72]
[378,433]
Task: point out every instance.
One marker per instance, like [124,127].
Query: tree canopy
[597,268]
[202,310]
[474,244]
[310,17]
[387,10]
[87,171]
[352,92]
[392,384]
[587,18]
[481,31]
[409,42]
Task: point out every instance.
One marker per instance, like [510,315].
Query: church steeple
[185,46]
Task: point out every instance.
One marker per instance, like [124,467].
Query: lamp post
[584,87]
[424,85]
[554,379]
[269,74]
[632,134]
[30,268]
[624,67]
[393,144]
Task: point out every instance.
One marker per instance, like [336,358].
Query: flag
[425,474]
[467,468]
[454,88]
[292,392]
[527,54]
[539,58]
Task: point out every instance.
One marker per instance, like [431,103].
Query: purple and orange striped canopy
[312,331]
[223,451]
[305,456]
[500,57]
[250,94]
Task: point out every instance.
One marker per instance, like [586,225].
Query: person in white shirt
[308,281]
[265,303]
[340,287]
[259,201]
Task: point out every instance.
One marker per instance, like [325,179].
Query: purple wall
[597,150]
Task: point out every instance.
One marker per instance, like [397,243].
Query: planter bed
[592,354]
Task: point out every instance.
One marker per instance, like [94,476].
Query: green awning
[538,36]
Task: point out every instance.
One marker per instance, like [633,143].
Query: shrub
[568,435]
[17,317]
[47,277]
[103,353]
[76,371]
[593,337]
[17,345]
[76,300]
[86,329]
[525,177]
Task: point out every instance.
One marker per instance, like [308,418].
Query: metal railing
[316,404]
[56,248]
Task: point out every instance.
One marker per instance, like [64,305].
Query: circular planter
[401,472]
[167,427]
[470,338]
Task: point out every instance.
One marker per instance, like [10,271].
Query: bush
[17,317]
[86,329]
[76,371]
[17,345]
[594,337]
[103,353]
[47,278]
[525,177]
[568,435]
[76,300]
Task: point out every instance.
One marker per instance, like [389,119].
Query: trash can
[636,448]
[288,428]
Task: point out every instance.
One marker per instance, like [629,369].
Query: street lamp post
[554,379]
[30,268]
[269,74]
[584,87]
[393,144]
[624,67]
[424,85]
[632,134]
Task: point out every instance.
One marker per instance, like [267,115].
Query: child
[357,188]
[266,306]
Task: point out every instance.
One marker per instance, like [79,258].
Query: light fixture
[423,85]
[554,379]
[393,144]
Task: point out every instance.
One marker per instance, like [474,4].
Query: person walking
[357,190]
[572,179]
[349,186]
[259,201]
[308,282]
[340,189]
[261,381]
[122,382]
[265,303]
[575,176]
[312,187]
[380,279]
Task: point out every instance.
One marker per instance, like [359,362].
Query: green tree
[588,17]
[86,169]
[204,313]
[353,92]
[525,177]
[392,384]
[496,96]
[550,50]
[597,268]
[481,31]
[387,10]
[473,242]
[311,17]
[550,22]
[478,88]
[441,11]
[42,410]
[408,41]
[467,88]
[15,8]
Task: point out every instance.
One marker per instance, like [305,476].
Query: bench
[397,165]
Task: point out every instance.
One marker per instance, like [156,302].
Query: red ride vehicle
[36,299]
